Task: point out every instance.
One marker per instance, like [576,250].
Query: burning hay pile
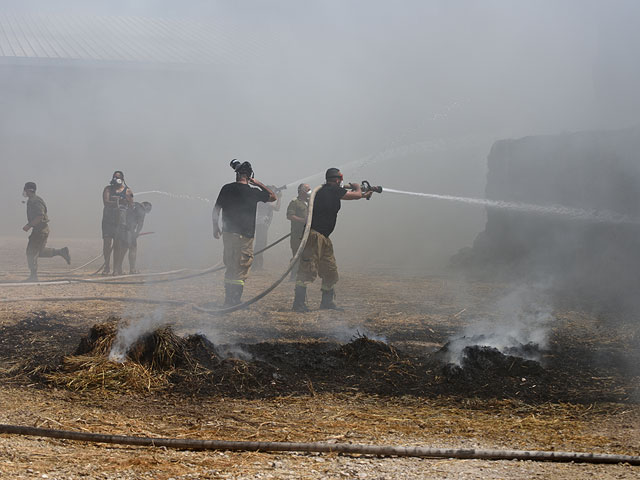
[157,360]
[149,362]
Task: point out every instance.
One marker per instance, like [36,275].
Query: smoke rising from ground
[521,327]
[411,95]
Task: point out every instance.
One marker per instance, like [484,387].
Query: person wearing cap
[317,257]
[236,204]
[297,215]
[264,216]
[38,223]
[116,198]
[135,222]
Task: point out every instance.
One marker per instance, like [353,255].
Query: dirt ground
[369,375]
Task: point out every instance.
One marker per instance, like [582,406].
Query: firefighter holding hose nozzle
[237,203]
[317,257]
[116,198]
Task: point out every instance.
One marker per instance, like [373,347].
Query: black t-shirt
[325,208]
[238,202]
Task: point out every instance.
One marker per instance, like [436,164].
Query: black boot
[300,300]
[228,295]
[237,294]
[64,253]
[327,302]
[232,294]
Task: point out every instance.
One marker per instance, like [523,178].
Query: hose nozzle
[367,187]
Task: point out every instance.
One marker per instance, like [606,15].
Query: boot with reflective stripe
[237,294]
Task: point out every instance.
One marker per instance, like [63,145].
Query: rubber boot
[228,295]
[327,302]
[300,300]
[64,253]
[237,294]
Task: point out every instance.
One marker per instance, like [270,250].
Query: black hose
[303,242]
[380,450]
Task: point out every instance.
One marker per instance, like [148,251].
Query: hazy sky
[318,84]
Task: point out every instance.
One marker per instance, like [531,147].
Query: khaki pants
[237,256]
[37,247]
[294,242]
[318,260]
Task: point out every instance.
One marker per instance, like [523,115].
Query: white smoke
[524,319]
[347,334]
[130,330]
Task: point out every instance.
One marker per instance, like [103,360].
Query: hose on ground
[359,449]
[296,257]
[207,271]
[197,308]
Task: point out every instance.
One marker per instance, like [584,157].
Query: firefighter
[135,221]
[236,204]
[117,197]
[297,215]
[317,258]
[38,223]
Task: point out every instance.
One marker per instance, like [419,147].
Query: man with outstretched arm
[317,257]
[38,223]
[236,204]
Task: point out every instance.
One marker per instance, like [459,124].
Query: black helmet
[243,168]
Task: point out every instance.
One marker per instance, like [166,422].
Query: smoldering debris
[456,351]
[162,362]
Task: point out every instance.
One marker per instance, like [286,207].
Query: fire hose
[240,306]
[216,268]
[365,187]
[303,242]
[349,448]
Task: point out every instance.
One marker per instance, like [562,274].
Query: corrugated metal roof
[122,39]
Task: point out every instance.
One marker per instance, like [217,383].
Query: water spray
[602,216]
[365,187]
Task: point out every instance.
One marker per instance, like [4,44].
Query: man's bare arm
[215,215]
[356,193]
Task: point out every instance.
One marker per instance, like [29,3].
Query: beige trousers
[318,260]
[237,257]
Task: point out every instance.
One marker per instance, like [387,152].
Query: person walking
[38,223]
